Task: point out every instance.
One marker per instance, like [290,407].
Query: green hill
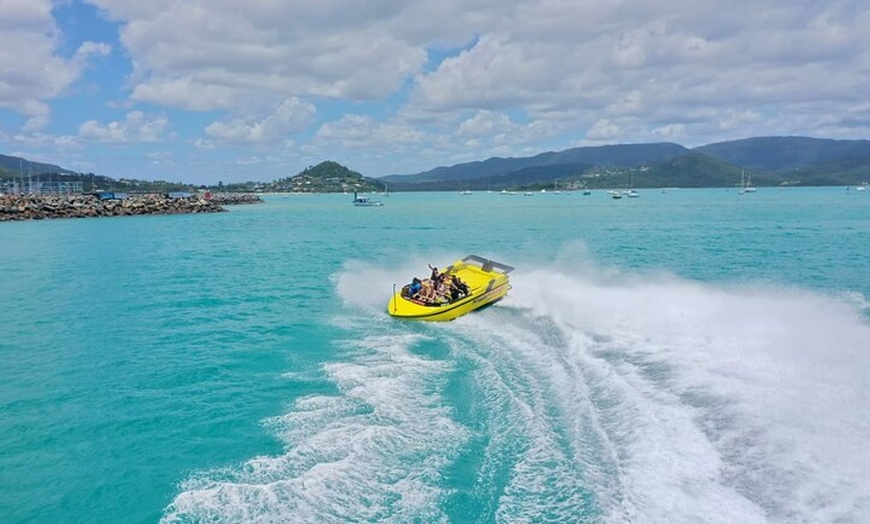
[549,165]
[776,153]
[690,170]
[15,165]
[772,161]
[326,177]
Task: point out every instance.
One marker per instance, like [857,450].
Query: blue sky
[203,91]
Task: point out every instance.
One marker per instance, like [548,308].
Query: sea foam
[604,396]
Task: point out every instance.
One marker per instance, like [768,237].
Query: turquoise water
[689,356]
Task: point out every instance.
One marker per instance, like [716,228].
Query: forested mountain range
[770,161]
[580,157]
[779,152]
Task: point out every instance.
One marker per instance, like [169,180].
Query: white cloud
[357,131]
[671,132]
[485,123]
[32,70]
[604,130]
[658,62]
[454,79]
[495,73]
[136,127]
[161,156]
[552,59]
[409,147]
[185,93]
[204,144]
[292,116]
[24,15]
[630,103]
[38,140]
[39,121]
[630,50]
[205,55]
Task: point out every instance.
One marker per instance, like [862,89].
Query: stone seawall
[36,207]
[232,199]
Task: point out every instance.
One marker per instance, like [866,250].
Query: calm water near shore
[688,356]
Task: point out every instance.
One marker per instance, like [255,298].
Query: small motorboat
[485,282]
[365,201]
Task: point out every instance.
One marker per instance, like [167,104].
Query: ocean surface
[689,356]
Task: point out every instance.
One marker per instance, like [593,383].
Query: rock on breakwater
[35,207]
[230,199]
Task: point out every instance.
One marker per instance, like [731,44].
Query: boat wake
[636,399]
[697,402]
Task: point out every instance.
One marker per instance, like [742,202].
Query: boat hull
[488,283]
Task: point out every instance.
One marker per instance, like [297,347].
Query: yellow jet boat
[480,282]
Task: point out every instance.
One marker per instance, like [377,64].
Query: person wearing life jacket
[414,287]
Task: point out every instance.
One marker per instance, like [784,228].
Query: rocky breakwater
[35,207]
[232,199]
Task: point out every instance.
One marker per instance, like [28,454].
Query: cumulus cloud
[358,131]
[459,79]
[555,61]
[224,54]
[485,123]
[292,116]
[136,127]
[33,72]
[605,130]
[658,62]
[37,139]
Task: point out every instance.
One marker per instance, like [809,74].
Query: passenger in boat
[414,287]
[461,287]
[427,292]
[442,291]
[435,274]
[455,293]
